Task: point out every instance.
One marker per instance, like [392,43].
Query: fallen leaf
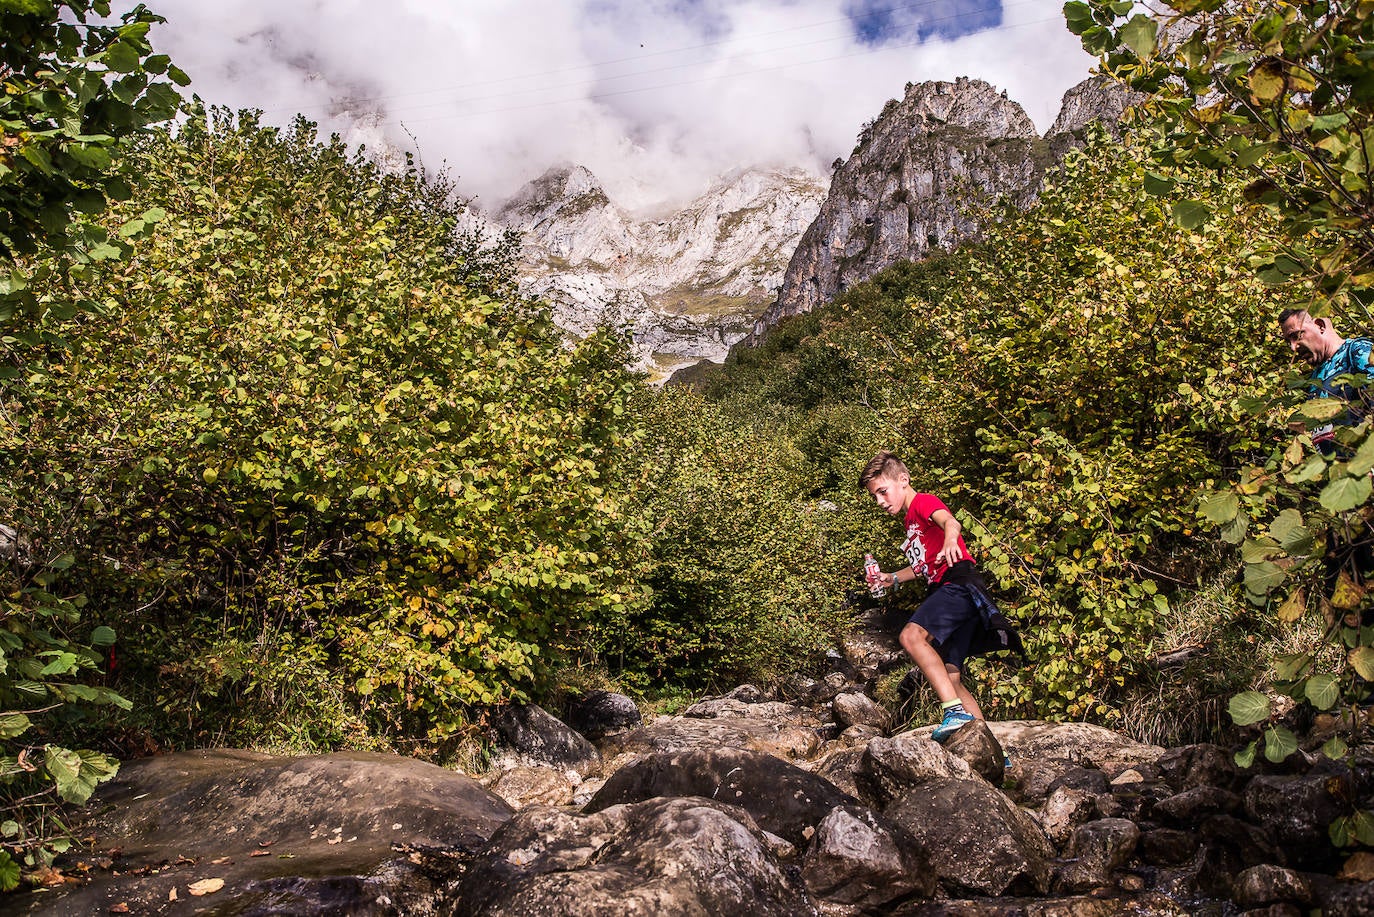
[172,895]
[1359,868]
[205,887]
[219,861]
[260,853]
[266,843]
[120,908]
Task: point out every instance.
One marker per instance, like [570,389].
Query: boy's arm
[949,552]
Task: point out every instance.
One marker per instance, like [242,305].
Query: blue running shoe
[955,719]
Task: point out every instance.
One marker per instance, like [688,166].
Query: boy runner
[948,627]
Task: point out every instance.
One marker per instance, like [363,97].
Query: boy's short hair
[882,465]
[1286,314]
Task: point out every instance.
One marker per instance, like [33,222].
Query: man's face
[889,493]
[1310,338]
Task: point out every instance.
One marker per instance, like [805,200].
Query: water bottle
[871,570]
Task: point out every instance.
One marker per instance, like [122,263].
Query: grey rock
[1148,904]
[602,713]
[730,708]
[672,857]
[319,817]
[856,709]
[1095,851]
[1064,810]
[1168,846]
[1263,885]
[1087,779]
[1200,765]
[1191,806]
[977,747]
[1079,743]
[890,767]
[524,786]
[858,858]
[537,737]
[688,733]
[841,767]
[781,797]
[977,841]
[1298,809]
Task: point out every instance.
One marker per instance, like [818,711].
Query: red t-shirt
[925,538]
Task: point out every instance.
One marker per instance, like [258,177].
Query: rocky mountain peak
[919,175]
[689,284]
[965,103]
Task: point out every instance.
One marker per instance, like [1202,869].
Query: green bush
[315,439]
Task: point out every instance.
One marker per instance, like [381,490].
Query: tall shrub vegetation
[1280,95]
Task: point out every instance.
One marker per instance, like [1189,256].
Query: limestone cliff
[689,285]
[922,177]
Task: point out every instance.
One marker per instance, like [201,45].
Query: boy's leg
[915,639]
[965,698]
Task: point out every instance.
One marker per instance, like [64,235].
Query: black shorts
[950,615]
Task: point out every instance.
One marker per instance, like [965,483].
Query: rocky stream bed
[794,801]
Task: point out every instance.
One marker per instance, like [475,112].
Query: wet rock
[1298,811]
[858,858]
[977,841]
[537,737]
[1168,846]
[1263,885]
[276,828]
[669,857]
[890,767]
[674,734]
[1148,904]
[602,713]
[1230,846]
[1200,765]
[1095,851]
[1343,899]
[781,797]
[855,709]
[1064,810]
[1191,806]
[524,786]
[976,747]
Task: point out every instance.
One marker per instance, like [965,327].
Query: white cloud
[656,97]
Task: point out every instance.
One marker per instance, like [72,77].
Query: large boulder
[1149,904]
[527,786]
[284,834]
[977,841]
[976,746]
[890,767]
[1081,743]
[859,858]
[677,734]
[660,858]
[602,713]
[1298,810]
[782,798]
[1095,851]
[734,708]
[854,708]
[539,738]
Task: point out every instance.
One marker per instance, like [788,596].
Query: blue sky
[879,22]
[656,97]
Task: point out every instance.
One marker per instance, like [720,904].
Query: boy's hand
[949,555]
